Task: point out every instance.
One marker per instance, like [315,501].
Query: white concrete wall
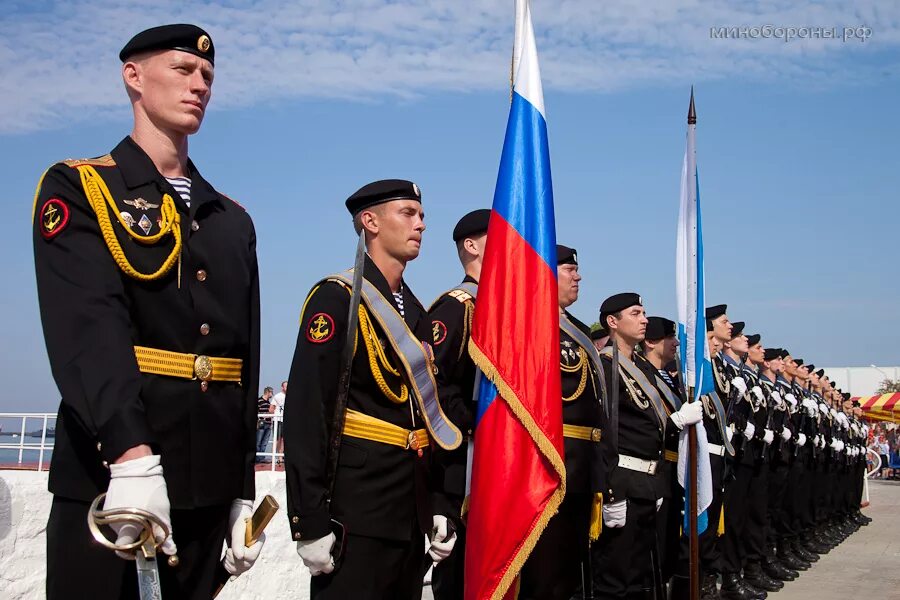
[861,381]
[25,504]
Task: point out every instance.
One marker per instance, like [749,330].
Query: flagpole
[692,454]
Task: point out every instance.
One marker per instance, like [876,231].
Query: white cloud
[58,59]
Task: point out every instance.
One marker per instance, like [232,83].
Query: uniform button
[295,520]
[204,329]
[297,536]
[99,446]
[201,275]
[195,226]
[204,386]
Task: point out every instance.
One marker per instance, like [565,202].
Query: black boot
[775,569]
[790,560]
[803,552]
[754,575]
[708,589]
[733,589]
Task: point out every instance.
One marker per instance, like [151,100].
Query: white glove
[785,434]
[842,417]
[441,543]
[614,514]
[316,554]
[729,431]
[791,399]
[811,410]
[835,444]
[865,429]
[757,391]
[238,557]
[841,446]
[801,439]
[777,397]
[139,483]
[659,502]
[749,430]
[740,385]
[834,413]
[823,407]
[768,436]
[689,414]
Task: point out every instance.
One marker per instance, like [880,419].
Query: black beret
[820,372]
[566,255]
[771,354]
[714,312]
[598,333]
[379,192]
[811,367]
[799,362]
[184,37]
[833,384]
[753,339]
[659,328]
[618,302]
[737,328]
[856,403]
[784,353]
[473,224]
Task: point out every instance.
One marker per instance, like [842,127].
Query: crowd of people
[149,294]
[885,444]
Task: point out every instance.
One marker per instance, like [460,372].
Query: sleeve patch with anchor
[54,217]
[438,332]
[320,328]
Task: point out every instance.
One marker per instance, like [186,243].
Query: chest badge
[145,224]
[141,204]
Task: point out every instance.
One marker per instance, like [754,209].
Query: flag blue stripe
[487,393]
[702,366]
[524,195]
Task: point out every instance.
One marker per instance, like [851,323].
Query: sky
[798,144]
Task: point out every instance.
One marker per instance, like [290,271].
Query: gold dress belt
[363,426]
[581,432]
[188,366]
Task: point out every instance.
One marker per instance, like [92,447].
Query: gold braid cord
[376,356]
[98,197]
[581,365]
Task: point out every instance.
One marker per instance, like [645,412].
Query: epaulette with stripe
[462,296]
[101,161]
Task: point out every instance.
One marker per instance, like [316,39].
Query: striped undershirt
[398,300]
[182,185]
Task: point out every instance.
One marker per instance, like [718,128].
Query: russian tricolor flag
[517,471]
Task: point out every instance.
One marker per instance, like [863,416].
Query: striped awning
[880,403]
[880,407]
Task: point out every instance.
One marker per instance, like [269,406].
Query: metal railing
[22,433]
[18,429]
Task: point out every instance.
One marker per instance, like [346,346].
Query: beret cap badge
[203,43]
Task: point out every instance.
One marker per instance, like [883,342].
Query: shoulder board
[461,296]
[331,280]
[103,161]
[233,200]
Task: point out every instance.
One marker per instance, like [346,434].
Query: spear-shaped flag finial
[692,112]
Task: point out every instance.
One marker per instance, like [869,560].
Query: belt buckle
[412,443]
[651,467]
[595,434]
[203,368]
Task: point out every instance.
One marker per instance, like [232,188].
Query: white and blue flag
[696,365]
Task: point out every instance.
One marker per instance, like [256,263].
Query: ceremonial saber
[144,548]
[255,526]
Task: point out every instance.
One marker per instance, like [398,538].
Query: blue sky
[797,148]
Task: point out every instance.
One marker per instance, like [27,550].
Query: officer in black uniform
[659,348]
[149,298]
[360,528]
[451,327]
[557,566]
[625,560]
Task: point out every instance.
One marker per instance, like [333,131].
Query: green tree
[888,386]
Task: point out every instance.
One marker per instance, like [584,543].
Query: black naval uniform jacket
[93,314]
[451,330]
[586,462]
[641,435]
[783,452]
[380,490]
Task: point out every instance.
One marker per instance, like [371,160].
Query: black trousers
[447,576]
[620,558]
[710,551]
[375,569]
[79,567]
[737,507]
[757,514]
[779,505]
[553,570]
